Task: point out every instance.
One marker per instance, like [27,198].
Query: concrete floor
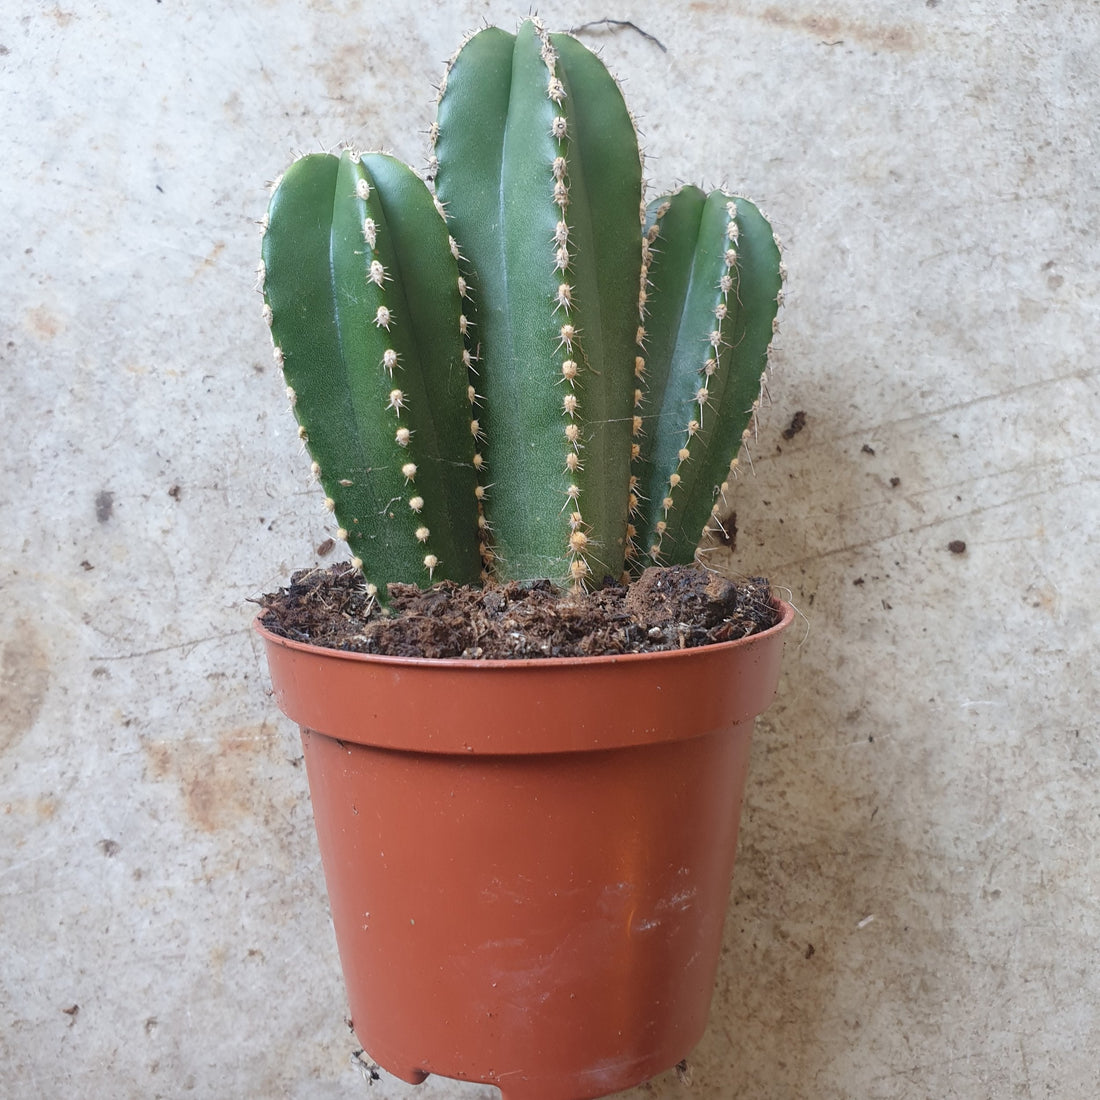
[914,912]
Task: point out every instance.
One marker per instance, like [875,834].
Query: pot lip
[787,614]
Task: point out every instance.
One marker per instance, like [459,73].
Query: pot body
[528,863]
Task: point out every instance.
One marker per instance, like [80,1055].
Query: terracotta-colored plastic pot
[528,862]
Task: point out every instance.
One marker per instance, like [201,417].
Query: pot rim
[787,613]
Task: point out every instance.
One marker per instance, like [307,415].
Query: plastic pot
[528,862]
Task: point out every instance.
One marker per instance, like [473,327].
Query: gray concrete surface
[914,912]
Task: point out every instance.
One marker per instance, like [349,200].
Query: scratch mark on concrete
[865,544]
[170,648]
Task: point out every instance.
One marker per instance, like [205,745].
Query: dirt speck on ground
[678,607]
[798,422]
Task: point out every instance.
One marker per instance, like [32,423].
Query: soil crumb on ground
[678,607]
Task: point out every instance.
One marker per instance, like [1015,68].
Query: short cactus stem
[343,241]
[714,281]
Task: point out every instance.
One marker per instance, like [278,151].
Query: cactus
[531,374]
[715,278]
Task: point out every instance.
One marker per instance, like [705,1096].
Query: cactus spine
[532,373]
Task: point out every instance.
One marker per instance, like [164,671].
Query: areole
[528,862]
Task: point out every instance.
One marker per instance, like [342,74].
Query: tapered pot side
[528,862]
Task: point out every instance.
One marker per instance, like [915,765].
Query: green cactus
[715,278]
[363,296]
[548,380]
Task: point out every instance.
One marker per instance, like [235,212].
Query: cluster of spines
[562,308]
[638,418]
[721,506]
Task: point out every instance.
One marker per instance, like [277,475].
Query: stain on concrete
[104,505]
[41,323]
[218,780]
[44,808]
[24,681]
[833,31]
[61,18]
[210,259]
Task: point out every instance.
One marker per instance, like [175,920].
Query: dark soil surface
[673,608]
